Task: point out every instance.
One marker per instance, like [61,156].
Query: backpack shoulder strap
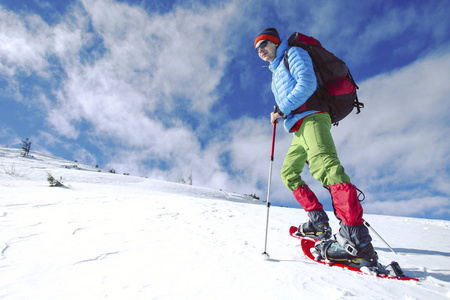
[285,59]
[297,39]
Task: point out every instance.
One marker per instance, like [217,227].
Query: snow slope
[111,236]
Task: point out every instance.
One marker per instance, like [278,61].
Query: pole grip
[273,135]
[273,141]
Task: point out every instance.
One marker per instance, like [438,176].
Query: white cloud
[167,57]
[435,206]
[23,42]
[23,50]
[83,156]
[43,4]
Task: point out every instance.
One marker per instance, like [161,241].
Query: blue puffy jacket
[292,89]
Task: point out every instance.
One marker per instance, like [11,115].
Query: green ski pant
[313,142]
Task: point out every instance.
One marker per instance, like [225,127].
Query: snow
[111,236]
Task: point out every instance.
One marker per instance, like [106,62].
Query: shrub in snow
[11,170]
[54,182]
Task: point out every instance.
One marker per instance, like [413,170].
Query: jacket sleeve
[302,70]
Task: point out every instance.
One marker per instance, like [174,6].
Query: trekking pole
[266,255]
[374,231]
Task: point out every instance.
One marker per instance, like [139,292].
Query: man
[313,143]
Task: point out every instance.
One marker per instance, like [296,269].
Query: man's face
[266,50]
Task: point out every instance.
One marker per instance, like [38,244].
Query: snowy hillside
[111,236]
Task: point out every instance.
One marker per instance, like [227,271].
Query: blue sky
[162,89]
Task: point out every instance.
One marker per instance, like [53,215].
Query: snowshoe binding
[320,231]
[332,251]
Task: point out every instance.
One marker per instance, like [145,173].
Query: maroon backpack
[337,89]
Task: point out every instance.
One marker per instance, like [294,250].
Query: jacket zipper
[275,84]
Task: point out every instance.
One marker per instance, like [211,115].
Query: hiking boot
[332,251]
[321,231]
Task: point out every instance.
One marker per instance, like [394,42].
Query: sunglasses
[262,46]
